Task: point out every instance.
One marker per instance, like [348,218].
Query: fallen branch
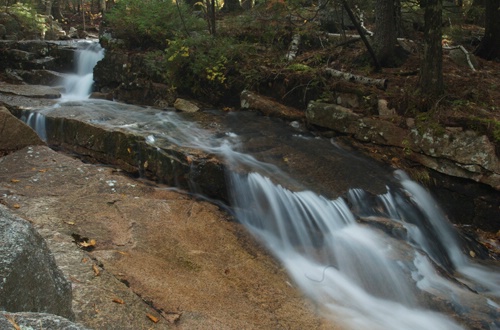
[294,48]
[467,55]
[379,83]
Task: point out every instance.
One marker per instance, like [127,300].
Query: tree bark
[56,10]
[385,36]
[379,83]
[431,83]
[361,34]
[489,48]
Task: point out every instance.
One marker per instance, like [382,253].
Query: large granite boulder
[14,134]
[29,278]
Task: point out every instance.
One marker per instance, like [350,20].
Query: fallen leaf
[15,180]
[85,260]
[13,322]
[86,244]
[16,206]
[123,253]
[96,270]
[43,170]
[153,318]
[118,301]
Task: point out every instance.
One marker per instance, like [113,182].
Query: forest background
[439,58]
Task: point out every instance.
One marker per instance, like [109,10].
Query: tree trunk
[385,36]
[247,4]
[431,83]
[56,10]
[231,6]
[489,48]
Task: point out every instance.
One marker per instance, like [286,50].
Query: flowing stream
[370,261]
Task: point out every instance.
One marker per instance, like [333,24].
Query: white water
[78,86]
[356,274]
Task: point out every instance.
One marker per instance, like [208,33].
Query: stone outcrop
[14,134]
[161,259]
[128,79]
[30,279]
[26,58]
[464,154]
[180,167]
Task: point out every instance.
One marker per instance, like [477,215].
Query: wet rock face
[467,158]
[30,279]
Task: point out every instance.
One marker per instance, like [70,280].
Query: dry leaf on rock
[153,318]
[96,270]
[118,301]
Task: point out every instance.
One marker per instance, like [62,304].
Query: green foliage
[29,20]
[201,65]
[150,23]
[299,67]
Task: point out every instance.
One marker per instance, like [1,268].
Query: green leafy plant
[150,23]
[29,20]
[201,65]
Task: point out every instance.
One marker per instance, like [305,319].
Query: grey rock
[185,105]
[14,134]
[28,320]
[29,277]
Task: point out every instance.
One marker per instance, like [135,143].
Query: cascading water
[373,262]
[78,86]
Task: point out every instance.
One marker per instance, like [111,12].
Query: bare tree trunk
[489,48]
[431,83]
[56,9]
[361,34]
[247,4]
[385,32]
[231,6]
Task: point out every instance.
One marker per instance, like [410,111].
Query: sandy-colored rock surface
[183,260]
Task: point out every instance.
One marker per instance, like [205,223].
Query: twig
[323,275]
[467,55]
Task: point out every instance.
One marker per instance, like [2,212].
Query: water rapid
[385,261]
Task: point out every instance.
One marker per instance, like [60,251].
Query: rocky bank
[126,254]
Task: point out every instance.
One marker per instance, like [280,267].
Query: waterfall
[78,86]
[366,277]
[387,261]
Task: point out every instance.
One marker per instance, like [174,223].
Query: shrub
[149,23]
[31,23]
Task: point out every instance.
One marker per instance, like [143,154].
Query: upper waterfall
[78,86]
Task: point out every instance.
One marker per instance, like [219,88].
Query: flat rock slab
[159,255]
[34,91]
